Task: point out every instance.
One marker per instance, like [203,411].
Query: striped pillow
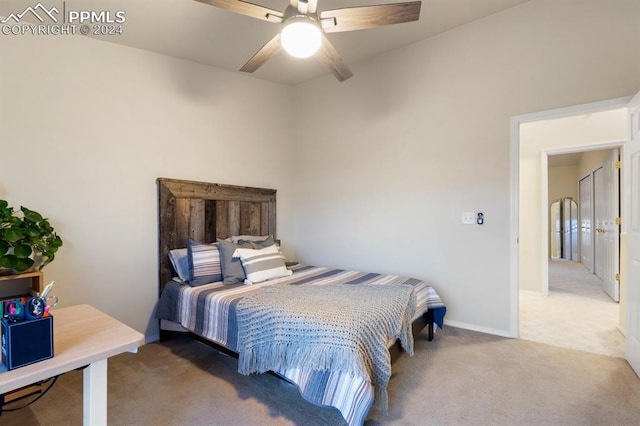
[180,261]
[262,264]
[204,263]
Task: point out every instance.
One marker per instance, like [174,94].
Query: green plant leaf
[3,204]
[22,250]
[4,247]
[33,231]
[31,215]
[9,261]
[23,264]
[45,226]
[13,234]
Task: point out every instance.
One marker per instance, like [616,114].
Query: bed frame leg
[164,335]
[430,325]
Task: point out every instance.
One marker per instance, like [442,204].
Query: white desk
[82,335]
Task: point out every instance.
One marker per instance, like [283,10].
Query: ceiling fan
[304,27]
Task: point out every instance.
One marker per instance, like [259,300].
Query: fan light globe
[301,38]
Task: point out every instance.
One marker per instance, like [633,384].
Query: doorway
[591,237]
[575,311]
[530,152]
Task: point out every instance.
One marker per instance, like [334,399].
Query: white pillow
[262,264]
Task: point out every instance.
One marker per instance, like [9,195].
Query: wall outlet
[468,218]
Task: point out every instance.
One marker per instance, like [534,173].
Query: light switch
[468,218]
[480,218]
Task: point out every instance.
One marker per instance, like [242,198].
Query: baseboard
[473,327]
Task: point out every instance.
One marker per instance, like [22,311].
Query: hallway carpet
[577,314]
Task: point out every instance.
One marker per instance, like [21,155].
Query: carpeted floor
[461,378]
[576,314]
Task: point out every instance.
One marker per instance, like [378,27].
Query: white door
[586,213]
[631,227]
[610,228]
[598,222]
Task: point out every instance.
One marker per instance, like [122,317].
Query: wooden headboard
[207,211]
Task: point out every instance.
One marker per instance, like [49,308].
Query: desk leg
[94,405]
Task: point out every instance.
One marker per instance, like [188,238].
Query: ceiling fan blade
[360,18]
[329,56]
[270,49]
[247,9]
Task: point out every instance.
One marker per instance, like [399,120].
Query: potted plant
[27,240]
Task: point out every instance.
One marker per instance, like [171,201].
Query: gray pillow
[204,263]
[232,271]
[269,241]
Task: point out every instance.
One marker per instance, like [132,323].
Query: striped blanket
[321,328]
[210,311]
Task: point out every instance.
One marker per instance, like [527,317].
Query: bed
[245,317]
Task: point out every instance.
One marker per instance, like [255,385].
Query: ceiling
[209,35]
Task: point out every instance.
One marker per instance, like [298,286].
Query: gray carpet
[461,378]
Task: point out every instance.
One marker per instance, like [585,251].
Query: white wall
[394,155]
[86,127]
[592,160]
[563,182]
